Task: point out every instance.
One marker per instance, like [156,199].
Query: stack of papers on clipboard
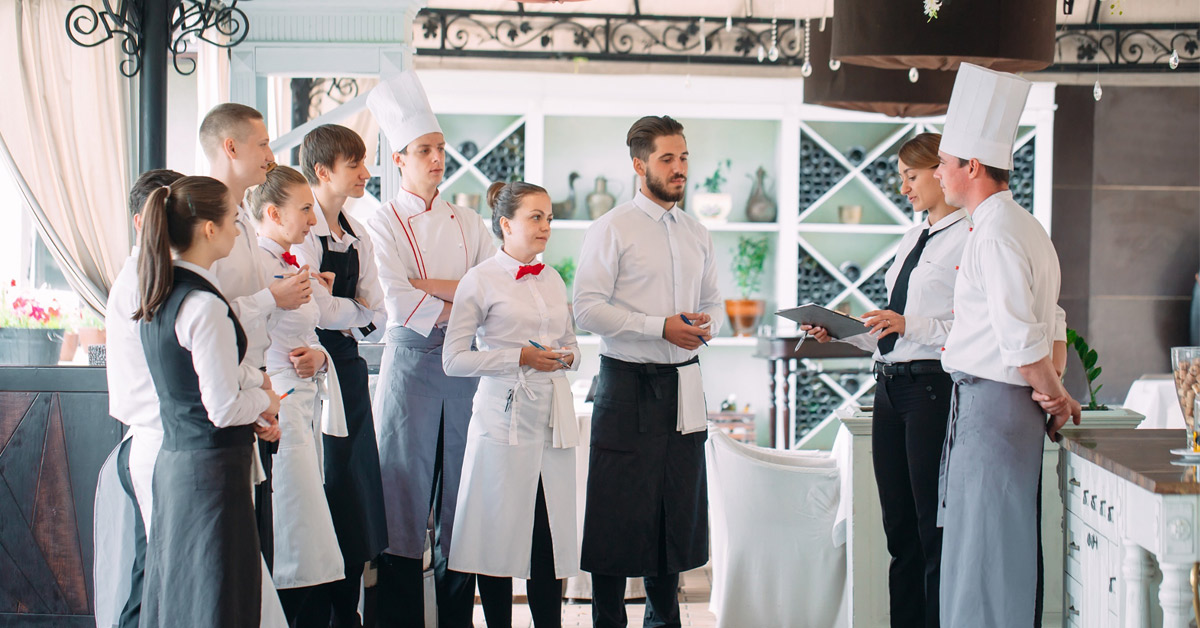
[840,326]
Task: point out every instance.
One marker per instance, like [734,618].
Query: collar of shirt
[271,247]
[511,265]
[946,222]
[207,274]
[321,229]
[989,204]
[652,209]
[410,204]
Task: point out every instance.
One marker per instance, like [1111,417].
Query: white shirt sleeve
[414,309]
[595,280]
[1007,278]
[469,311]
[339,312]
[1060,324]
[867,342]
[710,292]
[204,328]
[925,330]
[253,307]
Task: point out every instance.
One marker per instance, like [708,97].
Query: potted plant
[749,257]
[1096,414]
[91,328]
[713,205]
[31,330]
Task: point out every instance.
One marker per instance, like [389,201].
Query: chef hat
[985,110]
[402,110]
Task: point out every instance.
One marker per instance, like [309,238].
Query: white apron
[509,446]
[306,547]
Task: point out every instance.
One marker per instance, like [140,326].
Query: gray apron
[413,398]
[988,504]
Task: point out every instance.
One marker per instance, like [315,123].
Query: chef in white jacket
[423,246]
[518,479]
[1001,354]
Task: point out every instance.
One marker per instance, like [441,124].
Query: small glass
[1185,361]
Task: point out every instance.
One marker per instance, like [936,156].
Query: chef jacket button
[460,246]
[970,229]
[933,397]
[929,389]
[943,348]
[955,268]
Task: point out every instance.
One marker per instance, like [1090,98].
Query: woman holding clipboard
[912,396]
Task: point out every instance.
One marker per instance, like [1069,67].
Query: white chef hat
[985,110]
[402,110]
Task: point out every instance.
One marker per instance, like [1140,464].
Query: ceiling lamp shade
[1003,35]
[859,88]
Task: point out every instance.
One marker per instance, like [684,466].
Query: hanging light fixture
[1004,35]
[859,88]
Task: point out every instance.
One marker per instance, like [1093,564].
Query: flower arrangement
[27,311]
[931,9]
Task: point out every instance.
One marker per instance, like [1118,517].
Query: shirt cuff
[264,300]
[425,316]
[653,326]
[512,356]
[1017,358]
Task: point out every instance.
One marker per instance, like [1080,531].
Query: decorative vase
[744,315]
[710,207]
[565,210]
[599,201]
[760,207]
[89,336]
[30,347]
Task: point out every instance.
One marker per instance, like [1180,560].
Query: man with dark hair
[647,284]
[333,159]
[131,396]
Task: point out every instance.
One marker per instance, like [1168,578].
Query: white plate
[1187,462]
[1186,453]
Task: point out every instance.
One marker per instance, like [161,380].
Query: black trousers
[331,604]
[401,602]
[662,595]
[262,505]
[543,589]
[909,427]
[132,611]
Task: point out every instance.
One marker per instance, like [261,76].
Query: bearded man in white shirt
[235,142]
[647,285]
[1004,354]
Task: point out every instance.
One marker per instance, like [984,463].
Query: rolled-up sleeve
[1007,277]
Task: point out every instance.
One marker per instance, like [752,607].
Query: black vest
[184,417]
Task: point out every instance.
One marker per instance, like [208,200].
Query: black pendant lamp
[859,88]
[1004,35]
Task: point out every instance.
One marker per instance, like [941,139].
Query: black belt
[908,369]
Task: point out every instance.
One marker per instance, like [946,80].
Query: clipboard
[840,326]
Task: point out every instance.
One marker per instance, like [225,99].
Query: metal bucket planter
[30,347]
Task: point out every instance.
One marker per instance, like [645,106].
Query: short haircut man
[325,145]
[225,120]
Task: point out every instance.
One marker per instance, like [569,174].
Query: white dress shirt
[132,399]
[231,392]
[243,285]
[1006,312]
[640,264]
[412,242]
[292,329]
[505,313]
[309,252]
[928,311]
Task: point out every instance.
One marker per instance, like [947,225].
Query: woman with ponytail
[203,566]
[518,477]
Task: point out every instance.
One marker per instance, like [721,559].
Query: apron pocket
[614,425]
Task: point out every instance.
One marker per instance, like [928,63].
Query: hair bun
[493,193]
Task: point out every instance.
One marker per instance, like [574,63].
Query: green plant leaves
[1089,360]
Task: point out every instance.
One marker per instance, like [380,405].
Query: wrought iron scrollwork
[1125,47]
[218,23]
[601,36]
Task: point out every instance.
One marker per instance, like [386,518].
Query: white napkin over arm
[693,414]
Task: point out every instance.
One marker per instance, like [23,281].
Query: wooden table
[1127,503]
[779,353]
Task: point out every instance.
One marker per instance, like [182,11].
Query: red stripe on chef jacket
[411,244]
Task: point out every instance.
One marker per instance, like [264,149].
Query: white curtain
[65,137]
[212,86]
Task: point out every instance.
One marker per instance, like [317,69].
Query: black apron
[352,478]
[646,481]
[202,564]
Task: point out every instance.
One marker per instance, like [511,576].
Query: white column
[1136,569]
[1175,595]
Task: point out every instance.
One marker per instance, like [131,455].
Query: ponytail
[169,223]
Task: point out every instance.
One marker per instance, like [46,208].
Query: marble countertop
[1142,457]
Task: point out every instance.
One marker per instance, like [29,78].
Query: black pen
[687,322]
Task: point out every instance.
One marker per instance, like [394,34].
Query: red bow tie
[532,269]
[288,258]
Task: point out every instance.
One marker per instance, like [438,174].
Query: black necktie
[900,291]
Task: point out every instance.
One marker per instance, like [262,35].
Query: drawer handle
[1110,513]
[1085,496]
[1073,482]
[1111,582]
[1093,504]
[1072,547]
[1072,611]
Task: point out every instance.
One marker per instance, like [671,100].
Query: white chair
[777,560]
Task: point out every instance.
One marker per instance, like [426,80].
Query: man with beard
[647,284]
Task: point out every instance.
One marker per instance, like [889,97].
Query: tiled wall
[1127,224]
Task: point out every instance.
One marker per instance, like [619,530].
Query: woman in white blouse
[516,502]
[202,566]
[912,396]
[306,548]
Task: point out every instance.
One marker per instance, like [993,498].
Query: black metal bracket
[206,20]
[1126,48]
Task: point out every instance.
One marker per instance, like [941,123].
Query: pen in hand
[559,360]
[287,393]
[687,322]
